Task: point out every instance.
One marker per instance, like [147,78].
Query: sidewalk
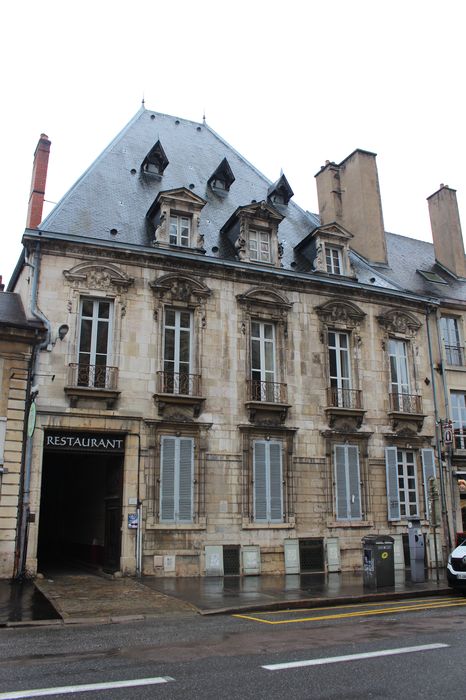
[79,598]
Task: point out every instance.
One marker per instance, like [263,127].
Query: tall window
[263,361]
[347,482]
[333,260]
[268,481]
[177,351]
[340,372]
[399,379]
[260,248]
[450,331]
[458,415]
[180,227]
[401,483]
[176,479]
[94,342]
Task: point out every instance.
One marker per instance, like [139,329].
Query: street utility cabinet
[378,561]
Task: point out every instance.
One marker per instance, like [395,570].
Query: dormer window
[333,260]
[180,228]
[253,231]
[175,220]
[155,162]
[260,248]
[222,178]
[280,192]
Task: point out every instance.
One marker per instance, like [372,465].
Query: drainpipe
[446,526]
[446,397]
[24,506]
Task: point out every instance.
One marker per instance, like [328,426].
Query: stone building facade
[239,386]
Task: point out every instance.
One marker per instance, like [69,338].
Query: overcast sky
[288,84]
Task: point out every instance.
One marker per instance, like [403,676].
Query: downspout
[446,397]
[446,526]
[23,526]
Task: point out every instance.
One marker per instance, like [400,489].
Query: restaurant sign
[85,442]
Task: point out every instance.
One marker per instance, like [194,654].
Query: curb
[330,602]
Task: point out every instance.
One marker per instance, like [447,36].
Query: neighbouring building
[230,384]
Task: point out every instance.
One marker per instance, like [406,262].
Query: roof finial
[203,117]
[143,102]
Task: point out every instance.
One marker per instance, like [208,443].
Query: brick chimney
[446,230]
[349,194]
[39,177]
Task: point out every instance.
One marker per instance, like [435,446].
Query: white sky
[288,84]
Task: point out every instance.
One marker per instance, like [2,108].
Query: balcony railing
[454,355]
[344,398]
[405,403]
[272,392]
[179,383]
[93,376]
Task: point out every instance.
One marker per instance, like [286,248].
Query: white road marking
[40,692]
[352,657]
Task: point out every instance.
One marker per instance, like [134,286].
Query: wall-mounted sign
[32,419]
[84,442]
[132,521]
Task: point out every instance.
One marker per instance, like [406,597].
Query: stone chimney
[446,230]
[39,177]
[349,194]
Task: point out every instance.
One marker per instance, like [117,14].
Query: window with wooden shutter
[176,479]
[347,482]
[428,470]
[393,498]
[268,478]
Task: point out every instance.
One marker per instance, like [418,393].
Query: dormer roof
[222,175]
[156,158]
[280,192]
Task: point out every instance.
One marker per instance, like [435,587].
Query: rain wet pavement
[22,602]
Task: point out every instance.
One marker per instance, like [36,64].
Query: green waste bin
[378,561]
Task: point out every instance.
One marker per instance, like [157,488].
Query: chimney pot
[38,180]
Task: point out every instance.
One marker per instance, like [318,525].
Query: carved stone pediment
[98,276]
[343,312]
[402,322]
[264,296]
[173,287]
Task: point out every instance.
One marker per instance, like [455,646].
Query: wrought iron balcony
[179,383]
[178,391]
[272,392]
[405,403]
[93,376]
[454,355]
[92,382]
[344,398]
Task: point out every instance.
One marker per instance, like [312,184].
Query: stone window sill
[248,525]
[153,524]
[350,523]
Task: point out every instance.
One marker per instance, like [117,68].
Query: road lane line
[406,601]
[353,657]
[41,692]
[362,613]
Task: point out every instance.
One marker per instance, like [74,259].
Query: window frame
[95,320]
[177,219]
[333,259]
[178,330]
[260,236]
[454,351]
[268,479]
[349,483]
[458,416]
[337,380]
[177,440]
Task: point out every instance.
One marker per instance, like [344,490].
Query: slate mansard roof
[115,194]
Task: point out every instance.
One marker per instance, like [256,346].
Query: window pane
[185,319]
[87,307]
[255,332]
[104,309]
[268,357]
[184,346]
[85,340]
[169,317]
[256,354]
[169,349]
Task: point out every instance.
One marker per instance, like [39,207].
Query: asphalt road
[400,650]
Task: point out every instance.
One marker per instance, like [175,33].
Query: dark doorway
[231,560]
[311,555]
[80,511]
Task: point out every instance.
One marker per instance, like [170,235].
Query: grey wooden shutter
[275,481]
[260,481]
[167,479]
[185,480]
[428,470]
[341,491]
[393,496]
[354,482]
